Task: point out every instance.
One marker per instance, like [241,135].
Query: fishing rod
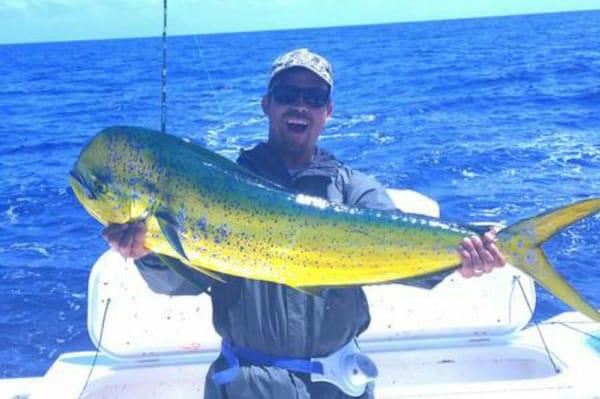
[163,90]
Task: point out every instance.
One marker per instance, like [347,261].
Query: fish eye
[99,187]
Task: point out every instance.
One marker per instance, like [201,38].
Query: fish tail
[522,242]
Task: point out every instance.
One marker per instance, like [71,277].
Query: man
[259,320]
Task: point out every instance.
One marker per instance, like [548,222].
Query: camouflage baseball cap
[305,59]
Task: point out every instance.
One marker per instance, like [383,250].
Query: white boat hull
[482,368]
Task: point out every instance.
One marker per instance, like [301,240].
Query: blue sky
[57,20]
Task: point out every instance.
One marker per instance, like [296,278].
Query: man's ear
[265,103]
[329,108]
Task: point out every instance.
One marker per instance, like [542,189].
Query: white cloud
[24,5]
[57,5]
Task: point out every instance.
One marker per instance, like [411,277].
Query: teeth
[297,121]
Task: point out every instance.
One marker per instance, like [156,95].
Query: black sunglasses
[314,97]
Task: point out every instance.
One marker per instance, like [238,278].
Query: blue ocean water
[498,119]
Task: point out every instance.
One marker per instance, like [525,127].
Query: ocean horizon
[276,30]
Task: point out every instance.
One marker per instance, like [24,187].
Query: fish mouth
[80,183]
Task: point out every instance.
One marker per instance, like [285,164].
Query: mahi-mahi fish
[219,218]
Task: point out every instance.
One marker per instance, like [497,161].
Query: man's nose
[299,103]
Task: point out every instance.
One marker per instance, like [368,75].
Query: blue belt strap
[233,354]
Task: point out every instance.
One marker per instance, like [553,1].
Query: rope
[518,280]
[567,325]
[87,380]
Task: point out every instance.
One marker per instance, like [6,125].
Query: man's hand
[480,255]
[127,239]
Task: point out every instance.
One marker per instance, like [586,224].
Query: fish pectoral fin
[188,272]
[169,227]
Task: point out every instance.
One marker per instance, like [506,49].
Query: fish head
[105,181]
[98,196]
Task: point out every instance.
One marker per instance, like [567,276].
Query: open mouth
[297,125]
[79,181]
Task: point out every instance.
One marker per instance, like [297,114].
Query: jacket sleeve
[363,191]
[164,280]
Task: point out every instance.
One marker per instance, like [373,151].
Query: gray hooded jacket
[273,318]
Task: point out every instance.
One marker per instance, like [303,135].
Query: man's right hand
[127,239]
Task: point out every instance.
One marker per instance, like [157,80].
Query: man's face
[295,126]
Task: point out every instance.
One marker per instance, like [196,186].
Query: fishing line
[212,87]
[518,280]
[164,72]
[567,325]
[87,380]
[210,81]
